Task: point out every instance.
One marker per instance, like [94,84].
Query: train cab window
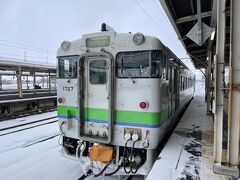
[133,64]
[139,64]
[67,67]
[98,71]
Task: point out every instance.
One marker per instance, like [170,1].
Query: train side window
[170,79]
[184,80]
[167,68]
[180,83]
[156,68]
[97,71]
[164,66]
[186,83]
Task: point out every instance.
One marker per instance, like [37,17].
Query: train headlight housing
[65,45]
[138,38]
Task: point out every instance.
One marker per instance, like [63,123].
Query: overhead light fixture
[212,35]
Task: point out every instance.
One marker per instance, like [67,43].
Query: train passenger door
[95,103]
[96,89]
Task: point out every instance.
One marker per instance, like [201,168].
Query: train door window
[97,71]
[156,68]
[67,66]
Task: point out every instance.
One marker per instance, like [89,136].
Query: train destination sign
[102,41]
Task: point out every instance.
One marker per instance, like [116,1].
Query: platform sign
[193,34]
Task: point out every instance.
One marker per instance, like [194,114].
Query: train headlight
[65,45]
[138,38]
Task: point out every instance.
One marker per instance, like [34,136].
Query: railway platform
[188,153]
[26,87]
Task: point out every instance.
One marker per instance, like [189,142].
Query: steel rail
[28,127]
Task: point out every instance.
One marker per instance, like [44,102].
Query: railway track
[5,117]
[29,125]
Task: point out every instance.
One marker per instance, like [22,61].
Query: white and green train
[118,95]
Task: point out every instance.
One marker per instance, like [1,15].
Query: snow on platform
[189,152]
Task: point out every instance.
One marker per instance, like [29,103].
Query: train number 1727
[66,88]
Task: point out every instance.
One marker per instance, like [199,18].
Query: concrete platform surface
[189,152]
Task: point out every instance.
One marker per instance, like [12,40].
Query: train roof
[78,45]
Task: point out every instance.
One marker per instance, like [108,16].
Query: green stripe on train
[147,118]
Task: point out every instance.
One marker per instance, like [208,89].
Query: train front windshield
[67,67]
[140,64]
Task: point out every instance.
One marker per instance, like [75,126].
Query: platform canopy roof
[183,16]
[7,64]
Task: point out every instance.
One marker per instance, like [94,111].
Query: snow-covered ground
[23,120]
[24,157]
[33,155]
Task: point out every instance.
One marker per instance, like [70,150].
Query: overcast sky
[46,23]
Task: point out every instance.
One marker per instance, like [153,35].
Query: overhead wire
[161,12]
[153,21]
[27,46]
[18,55]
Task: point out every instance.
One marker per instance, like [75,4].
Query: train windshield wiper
[128,75]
